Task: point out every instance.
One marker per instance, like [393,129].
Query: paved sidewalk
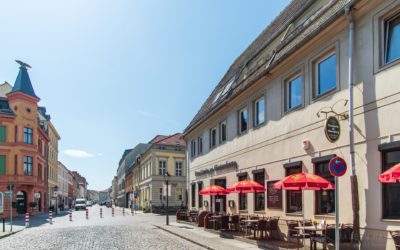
[203,238]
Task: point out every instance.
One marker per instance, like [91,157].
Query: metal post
[11,200]
[337,236]
[167,206]
[51,217]
[4,225]
[27,220]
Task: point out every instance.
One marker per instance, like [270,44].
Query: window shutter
[3,133]
[2,165]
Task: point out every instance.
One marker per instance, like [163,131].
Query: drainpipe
[354,182]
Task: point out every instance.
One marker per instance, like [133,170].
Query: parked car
[89,203]
[80,204]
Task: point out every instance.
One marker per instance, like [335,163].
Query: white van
[80,204]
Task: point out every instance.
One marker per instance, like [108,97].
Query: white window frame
[211,137]
[257,123]
[221,140]
[385,36]
[180,171]
[287,82]
[240,130]
[200,145]
[162,166]
[315,63]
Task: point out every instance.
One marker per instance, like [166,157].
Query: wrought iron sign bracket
[331,110]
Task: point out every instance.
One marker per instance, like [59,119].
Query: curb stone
[9,234]
[183,237]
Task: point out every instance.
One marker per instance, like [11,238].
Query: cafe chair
[261,228]
[294,233]
[346,233]
[328,237]
[234,223]
[272,226]
[223,222]
[396,237]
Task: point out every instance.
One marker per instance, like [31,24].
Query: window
[16,133]
[200,197]
[193,194]
[222,131]
[200,144]
[2,165]
[293,92]
[259,111]
[178,168]
[193,148]
[392,39]
[2,133]
[28,165]
[28,135]
[15,164]
[391,192]
[243,119]
[259,197]
[162,169]
[213,137]
[178,194]
[325,75]
[242,197]
[325,199]
[294,199]
[161,194]
[40,171]
[40,146]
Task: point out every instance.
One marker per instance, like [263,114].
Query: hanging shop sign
[332,129]
[274,196]
[337,166]
[205,203]
[217,168]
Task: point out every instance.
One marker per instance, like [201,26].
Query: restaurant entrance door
[220,200]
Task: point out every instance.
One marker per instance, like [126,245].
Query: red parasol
[213,190]
[391,175]
[246,186]
[303,181]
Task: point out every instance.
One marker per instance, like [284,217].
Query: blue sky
[115,73]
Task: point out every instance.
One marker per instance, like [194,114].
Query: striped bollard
[27,220]
[87,213]
[112,212]
[70,214]
[101,213]
[51,217]
[123,211]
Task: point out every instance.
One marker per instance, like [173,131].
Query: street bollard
[87,213]
[123,211]
[70,214]
[51,217]
[4,225]
[112,212]
[101,213]
[27,220]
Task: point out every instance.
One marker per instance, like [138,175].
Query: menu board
[274,196]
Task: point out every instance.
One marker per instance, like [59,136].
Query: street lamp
[166,178]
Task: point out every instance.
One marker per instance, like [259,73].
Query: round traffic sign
[337,166]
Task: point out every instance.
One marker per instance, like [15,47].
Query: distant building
[164,155]
[121,200]
[81,188]
[104,195]
[93,195]
[114,189]
[71,197]
[63,174]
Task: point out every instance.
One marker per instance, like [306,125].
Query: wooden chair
[346,233]
[293,232]
[396,237]
[200,219]
[325,239]
[234,223]
[272,226]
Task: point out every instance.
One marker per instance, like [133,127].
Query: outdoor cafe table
[249,222]
[313,229]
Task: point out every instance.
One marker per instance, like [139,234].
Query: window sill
[294,214]
[326,94]
[259,212]
[391,220]
[243,212]
[288,111]
[259,125]
[386,66]
[321,216]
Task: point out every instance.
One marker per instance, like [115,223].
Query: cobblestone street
[118,232]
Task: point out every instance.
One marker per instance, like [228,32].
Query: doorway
[21,202]
[220,200]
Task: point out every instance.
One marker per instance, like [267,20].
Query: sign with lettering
[274,196]
[1,203]
[332,129]
[218,168]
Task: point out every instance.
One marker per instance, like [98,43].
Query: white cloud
[145,113]
[76,153]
